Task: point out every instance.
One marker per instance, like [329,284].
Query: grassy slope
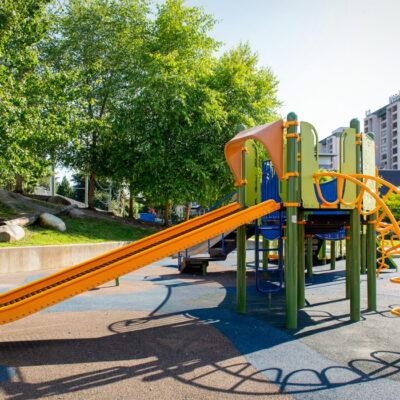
[83,230]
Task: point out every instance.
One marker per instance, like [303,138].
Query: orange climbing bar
[45,292]
[383,228]
[270,135]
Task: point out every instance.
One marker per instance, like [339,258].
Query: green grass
[83,230]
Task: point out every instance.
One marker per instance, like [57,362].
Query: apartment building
[384,124]
[329,150]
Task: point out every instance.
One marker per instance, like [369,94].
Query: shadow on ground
[180,346]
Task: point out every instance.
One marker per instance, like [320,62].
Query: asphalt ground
[162,335]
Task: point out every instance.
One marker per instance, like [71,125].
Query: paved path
[164,335]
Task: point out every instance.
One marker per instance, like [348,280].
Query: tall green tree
[98,42]
[248,96]
[191,103]
[22,25]
[64,188]
[175,110]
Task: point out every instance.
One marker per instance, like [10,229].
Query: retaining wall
[34,258]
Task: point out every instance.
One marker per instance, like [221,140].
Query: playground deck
[164,335]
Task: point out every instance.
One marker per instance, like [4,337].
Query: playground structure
[285,202]
[346,206]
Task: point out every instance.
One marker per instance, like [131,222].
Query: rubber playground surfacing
[162,335]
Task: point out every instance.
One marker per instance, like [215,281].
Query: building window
[394,116]
[394,166]
[394,150]
[384,156]
[394,108]
[394,133]
[394,141]
[394,125]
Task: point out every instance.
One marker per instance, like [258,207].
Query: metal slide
[45,292]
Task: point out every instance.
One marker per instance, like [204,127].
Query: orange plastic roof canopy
[270,135]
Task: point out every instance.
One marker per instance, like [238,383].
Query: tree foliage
[97,43]
[64,188]
[130,91]
[190,104]
[22,24]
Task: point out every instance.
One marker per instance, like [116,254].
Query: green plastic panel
[253,174]
[309,164]
[348,163]
[283,183]
[368,168]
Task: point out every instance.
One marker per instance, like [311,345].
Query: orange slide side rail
[117,253]
[45,292]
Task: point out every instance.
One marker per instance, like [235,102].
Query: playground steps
[45,292]
[218,252]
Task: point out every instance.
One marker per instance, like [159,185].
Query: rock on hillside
[11,233]
[51,221]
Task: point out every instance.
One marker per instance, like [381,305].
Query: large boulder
[11,233]
[51,221]
[76,213]
[59,200]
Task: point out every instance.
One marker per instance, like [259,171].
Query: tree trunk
[166,212]
[92,185]
[18,184]
[130,209]
[188,207]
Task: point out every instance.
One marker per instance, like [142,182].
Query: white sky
[335,59]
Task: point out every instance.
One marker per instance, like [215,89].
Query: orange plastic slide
[45,292]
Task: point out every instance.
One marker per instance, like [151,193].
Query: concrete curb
[35,258]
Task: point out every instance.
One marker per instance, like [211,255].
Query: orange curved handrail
[382,210]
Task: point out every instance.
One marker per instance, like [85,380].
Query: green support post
[371,261]
[355,265]
[333,255]
[241,246]
[323,252]
[363,250]
[291,223]
[116,281]
[355,241]
[300,263]
[348,262]
[309,257]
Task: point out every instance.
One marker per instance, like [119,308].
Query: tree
[97,42]
[64,188]
[22,24]
[248,96]
[190,105]
[393,202]
[32,99]
[175,110]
